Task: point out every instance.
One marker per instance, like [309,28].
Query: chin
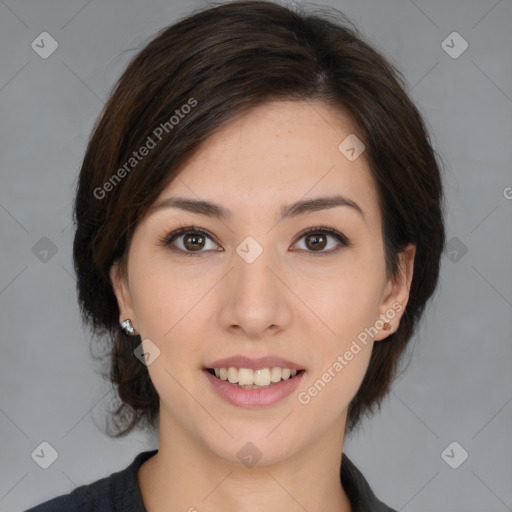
[262,444]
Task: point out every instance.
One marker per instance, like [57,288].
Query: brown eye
[193,242]
[189,241]
[316,241]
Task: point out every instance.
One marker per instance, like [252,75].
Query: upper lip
[240,361]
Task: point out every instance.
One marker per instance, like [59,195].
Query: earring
[386,326]
[127,327]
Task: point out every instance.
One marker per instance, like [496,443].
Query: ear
[396,294]
[122,292]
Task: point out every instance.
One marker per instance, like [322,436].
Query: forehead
[275,154]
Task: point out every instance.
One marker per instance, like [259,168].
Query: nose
[255,299]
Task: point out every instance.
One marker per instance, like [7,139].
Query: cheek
[164,295]
[171,315]
[345,298]
[348,308]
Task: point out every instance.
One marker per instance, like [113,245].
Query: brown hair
[220,62]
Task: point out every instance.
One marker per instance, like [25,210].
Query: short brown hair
[228,59]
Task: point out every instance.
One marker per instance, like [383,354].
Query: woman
[258,230]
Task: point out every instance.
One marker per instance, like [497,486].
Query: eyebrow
[301,207]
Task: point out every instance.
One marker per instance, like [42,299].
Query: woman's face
[251,285]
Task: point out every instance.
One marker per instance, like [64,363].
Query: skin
[291,302]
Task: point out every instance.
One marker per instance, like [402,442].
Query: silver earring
[127,327]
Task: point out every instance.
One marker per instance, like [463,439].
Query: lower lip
[250,398]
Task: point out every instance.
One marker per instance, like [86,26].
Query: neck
[186,475]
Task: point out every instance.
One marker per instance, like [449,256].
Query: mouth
[253,382]
[260,378]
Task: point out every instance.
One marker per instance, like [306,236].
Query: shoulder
[115,493]
[361,496]
[94,496]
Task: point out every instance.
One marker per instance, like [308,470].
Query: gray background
[458,385]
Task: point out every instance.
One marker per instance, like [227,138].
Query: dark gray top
[120,492]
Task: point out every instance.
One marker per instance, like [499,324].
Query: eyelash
[167,240]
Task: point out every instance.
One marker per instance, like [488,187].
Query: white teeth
[275,374]
[232,375]
[262,377]
[247,377]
